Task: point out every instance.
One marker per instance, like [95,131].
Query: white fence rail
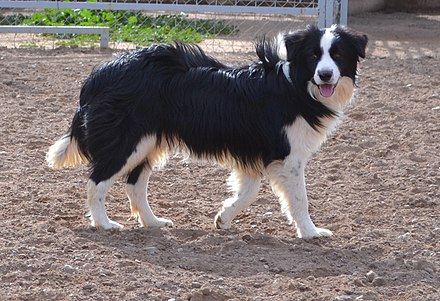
[102,31]
[258,7]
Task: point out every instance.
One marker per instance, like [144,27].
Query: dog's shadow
[222,253]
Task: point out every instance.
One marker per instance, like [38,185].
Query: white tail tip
[64,153]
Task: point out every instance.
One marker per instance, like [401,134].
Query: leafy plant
[30,45]
[129,26]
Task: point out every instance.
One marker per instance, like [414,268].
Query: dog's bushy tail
[66,151]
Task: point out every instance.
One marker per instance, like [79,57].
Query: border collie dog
[263,119]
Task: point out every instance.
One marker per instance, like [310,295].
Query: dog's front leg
[288,182]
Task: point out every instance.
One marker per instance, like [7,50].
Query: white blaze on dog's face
[327,59]
[327,73]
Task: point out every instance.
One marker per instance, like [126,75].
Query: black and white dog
[262,119]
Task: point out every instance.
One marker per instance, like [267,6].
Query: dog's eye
[314,56]
[336,54]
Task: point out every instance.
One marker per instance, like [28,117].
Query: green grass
[129,26]
[30,45]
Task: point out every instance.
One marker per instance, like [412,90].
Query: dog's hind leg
[137,185]
[96,194]
[245,189]
[288,182]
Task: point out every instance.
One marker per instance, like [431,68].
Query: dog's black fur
[179,93]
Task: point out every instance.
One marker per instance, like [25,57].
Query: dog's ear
[294,41]
[357,39]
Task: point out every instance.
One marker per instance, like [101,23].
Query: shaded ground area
[375,184]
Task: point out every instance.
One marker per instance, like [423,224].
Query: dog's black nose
[325,75]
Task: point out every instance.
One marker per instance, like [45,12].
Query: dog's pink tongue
[326,90]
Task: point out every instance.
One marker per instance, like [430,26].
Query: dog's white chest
[304,140]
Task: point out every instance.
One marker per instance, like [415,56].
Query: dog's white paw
[316,232]
[159,223]
[108,225]
[221,223]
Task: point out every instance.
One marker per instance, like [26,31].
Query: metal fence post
[344,12]
[329,12]
[332,12]
[340,12]
[321,13]
[105,37]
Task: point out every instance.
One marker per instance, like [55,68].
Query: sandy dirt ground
[375,184]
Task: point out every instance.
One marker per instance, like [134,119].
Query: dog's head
[325,60]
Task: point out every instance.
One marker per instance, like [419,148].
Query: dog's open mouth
[326,90]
